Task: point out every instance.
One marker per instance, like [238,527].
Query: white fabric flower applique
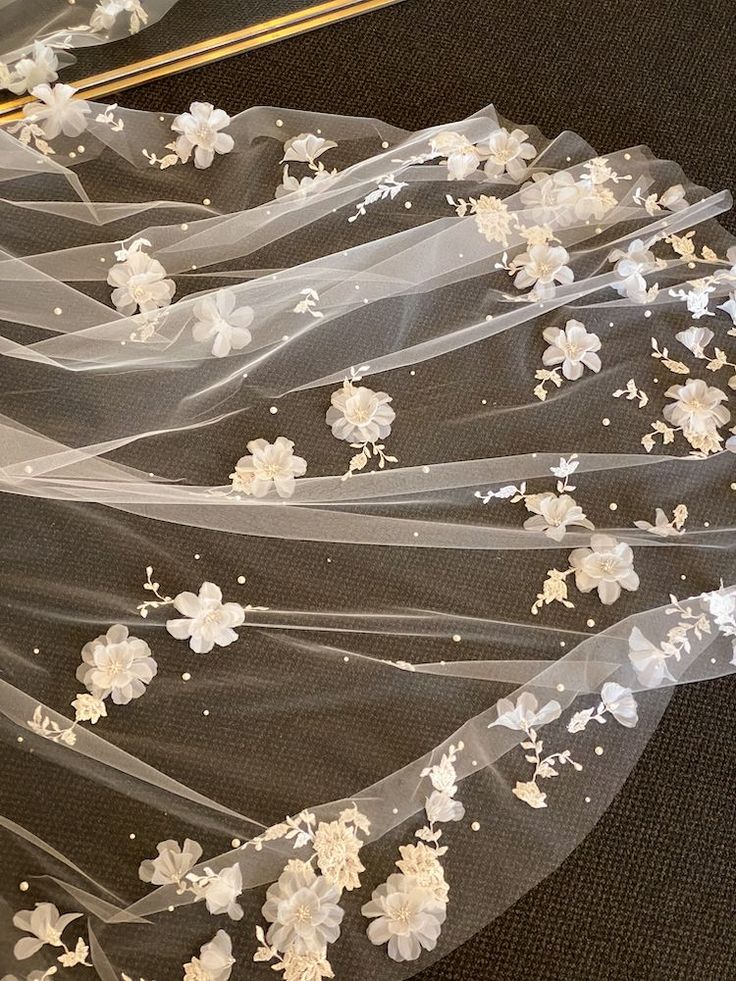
[650,661]
[696,340]
[406,915]
[215,961]
[173,863]
[268,465]
[493,219]
[363,418]
[107,12]
[117,665]
[201,133]
[462,158]
[57,111]
[698,412]
[574,348]
[39,67]
[542,266]
[219,890]
[663,527]
[631,266]
[607,566]
[46,925]
[220,324]
[302,908]
[526,713]
[206,620]
[89,708]
[616,701]
[139,281]
[526,716]
[304,148]
[553,514]
[509,153]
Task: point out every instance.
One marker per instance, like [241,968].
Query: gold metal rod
[209,50]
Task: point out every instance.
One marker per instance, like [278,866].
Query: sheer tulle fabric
[352,477]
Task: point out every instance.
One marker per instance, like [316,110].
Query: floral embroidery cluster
[305,149]
[606,565]
[363,419]
[199,134]
[46,925]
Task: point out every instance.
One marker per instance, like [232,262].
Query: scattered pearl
[457,638]
[235,842]
[36,650]
[80,149]
[412,373]
[407,205]
[20,739]
[627,156]
[346,659]
[206,201]
[599,751]
[416,534]
[706,524]
[23,886]
[606,421]
[613,506]
[206,712]
[58,311]
[184,227]
[647,314]
[28,469]
[683,577]
[475,826]
[395,810]
[560,687]
[425,469]
[273,410]
[279,122]
[384,145]
[590,622]
[241,580]
[563,643]
[587,800]
[484,401]
[186,676]
[197,555]
[132,836]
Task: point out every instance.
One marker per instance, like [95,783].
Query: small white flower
[37,68]
[107,12]
[649,661]
[674,198]
[565,467]
[57,111]
[269,465]
[662,527]
[215,960]
[440,806]
[217,321]
[116,664]
[573,348]
[509,152]
[621,704]
[306,147]
[632,264]
[88,708]
[172,864]
[696,339]
[541,266]
[359,415]
[553,515]
[722,605]
[407,917]
[46,925]
[530,794]
[608,566]
[200,130]
[526,714]
[207,620]
[221,890]
[463,159]
[140,284]
[301,188]
[697,409]
[302,908]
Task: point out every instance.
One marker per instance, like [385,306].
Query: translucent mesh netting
[394,590]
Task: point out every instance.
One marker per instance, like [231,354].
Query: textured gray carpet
[649,895]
